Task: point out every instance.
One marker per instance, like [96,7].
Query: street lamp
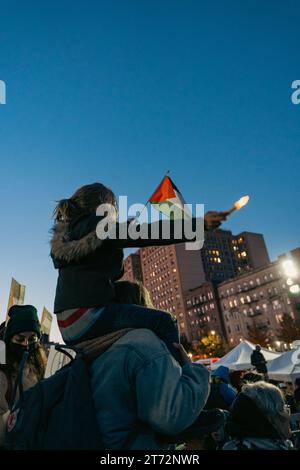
[289,268]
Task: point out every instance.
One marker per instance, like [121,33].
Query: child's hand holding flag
[168,200]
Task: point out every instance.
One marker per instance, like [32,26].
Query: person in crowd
[22,333]
[235,378]
[297,392]
[88,267]
[290,398]
[220,436]
[221,393]
[259,362]
[210,435]
[258,420]
[141,392]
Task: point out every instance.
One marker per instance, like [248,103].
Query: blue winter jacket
[140,390]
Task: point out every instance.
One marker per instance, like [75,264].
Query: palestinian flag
[168,200]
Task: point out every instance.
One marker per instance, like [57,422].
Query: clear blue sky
[120,91]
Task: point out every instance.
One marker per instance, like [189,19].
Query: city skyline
[249,300]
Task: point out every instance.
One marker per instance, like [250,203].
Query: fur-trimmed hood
[72,244]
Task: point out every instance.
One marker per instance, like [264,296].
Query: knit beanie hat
[22,318]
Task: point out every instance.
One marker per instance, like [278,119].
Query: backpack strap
[62,349]
[18,382]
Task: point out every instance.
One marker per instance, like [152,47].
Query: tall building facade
[250,251]
[204,312]
[257,299]
[167,272]
[225,255]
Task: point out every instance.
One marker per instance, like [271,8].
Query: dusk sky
[120,91]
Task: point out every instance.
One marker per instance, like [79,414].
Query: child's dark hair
[84,201]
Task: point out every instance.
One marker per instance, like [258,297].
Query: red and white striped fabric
[74,323]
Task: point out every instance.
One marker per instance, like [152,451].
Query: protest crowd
[132,385]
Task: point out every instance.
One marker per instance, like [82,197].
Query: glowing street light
[289,268]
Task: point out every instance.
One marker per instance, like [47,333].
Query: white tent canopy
[239,358]
[286,367]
